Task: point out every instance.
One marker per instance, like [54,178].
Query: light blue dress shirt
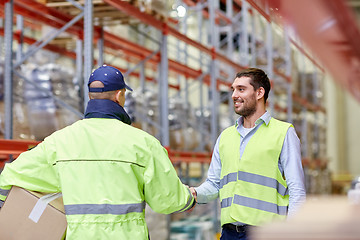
[289,164]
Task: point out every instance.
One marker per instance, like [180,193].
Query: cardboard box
[20,219]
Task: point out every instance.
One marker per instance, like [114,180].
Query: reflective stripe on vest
[254,178]
[261,205]
[226,202]
[118,209]
[254,203]
[1,203]
[231,177]
[4,192]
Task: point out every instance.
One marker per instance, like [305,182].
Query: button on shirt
[289,165]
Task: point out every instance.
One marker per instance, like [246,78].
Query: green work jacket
[252,188]
[106,171]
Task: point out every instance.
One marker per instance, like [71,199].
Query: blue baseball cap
[111,77]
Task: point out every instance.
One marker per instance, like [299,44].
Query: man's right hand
[193,192]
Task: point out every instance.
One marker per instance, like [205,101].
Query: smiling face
[244,97]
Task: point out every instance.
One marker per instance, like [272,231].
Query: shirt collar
[264,118]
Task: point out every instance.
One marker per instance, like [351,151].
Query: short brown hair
[258,79]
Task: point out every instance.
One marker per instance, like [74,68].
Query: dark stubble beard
[248,109]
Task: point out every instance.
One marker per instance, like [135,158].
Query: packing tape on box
[41,204]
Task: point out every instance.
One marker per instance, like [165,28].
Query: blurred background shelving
[180,57]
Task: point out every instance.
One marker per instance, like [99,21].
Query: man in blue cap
[106,169]
[107,94]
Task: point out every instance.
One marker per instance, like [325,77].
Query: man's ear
[122,92]
[119,94]
[260,92]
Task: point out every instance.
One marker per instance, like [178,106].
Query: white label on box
[41,204]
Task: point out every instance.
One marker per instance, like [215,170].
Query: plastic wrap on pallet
[45,82]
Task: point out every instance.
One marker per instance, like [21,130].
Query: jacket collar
[104,108]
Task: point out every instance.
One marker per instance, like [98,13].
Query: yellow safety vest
[252,188]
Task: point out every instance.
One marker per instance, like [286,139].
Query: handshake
[193,192]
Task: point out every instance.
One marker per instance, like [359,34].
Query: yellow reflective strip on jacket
[252,189]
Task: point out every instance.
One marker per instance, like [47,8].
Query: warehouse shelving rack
[217,19]
[214,75]
[111,40]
